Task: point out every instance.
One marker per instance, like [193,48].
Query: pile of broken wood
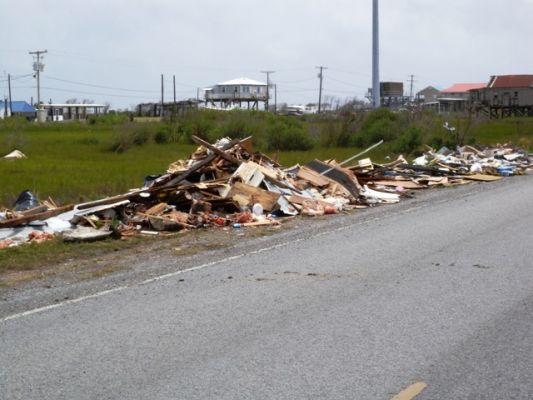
[227,184]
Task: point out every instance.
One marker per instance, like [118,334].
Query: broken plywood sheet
[312,176]
[249,174]
[248,195]
[395,183]
[482,178]
[348,181]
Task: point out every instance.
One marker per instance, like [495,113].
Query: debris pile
[226,184]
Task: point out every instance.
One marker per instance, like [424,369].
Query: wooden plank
[312,176]
[300,200]
[404,184]
[216,150]
[482,178]
[10,223]
[110,200]
[241,192]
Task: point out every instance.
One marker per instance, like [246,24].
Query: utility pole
[10,99]
[38,67]
[320,76]
[268,87]
[275,98]
[197,98]
[376,93]
[162,96]
[174,110]
[174,83]
[411,81]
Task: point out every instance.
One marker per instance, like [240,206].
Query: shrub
[130,134]
[288,136]
[409,141]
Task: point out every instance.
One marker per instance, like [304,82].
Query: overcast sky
[114,45]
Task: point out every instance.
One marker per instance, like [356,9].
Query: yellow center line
[411,392]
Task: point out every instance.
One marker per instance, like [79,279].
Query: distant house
[427,95]
[505,96]
[234,93]
[457,97]
[154,109]
[17,108]
[72,111]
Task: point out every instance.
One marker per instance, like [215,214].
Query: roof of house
[242,81]
[19,107]
[429,89]
[511,81]
[464,87]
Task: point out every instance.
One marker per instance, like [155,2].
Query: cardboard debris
[220,184]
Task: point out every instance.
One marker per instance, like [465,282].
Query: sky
[116,50]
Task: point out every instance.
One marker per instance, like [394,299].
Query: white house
[233,93]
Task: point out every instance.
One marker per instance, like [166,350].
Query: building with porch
[67,111]
[457,97]
[505,96]
[235,93]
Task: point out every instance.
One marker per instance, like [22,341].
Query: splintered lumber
[301,200]
[11,223]
[395,183]
[249,195]
[109,200]
[266,222]
[33,211]
[216,150]
[157,209]
[482,178]
[337,174]
[312,177]
[174,180]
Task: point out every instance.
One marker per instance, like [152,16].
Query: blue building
[17,108]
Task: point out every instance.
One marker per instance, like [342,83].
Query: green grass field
[73,162]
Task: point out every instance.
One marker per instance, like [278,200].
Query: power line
[346,83]
[92,93]
[101,86]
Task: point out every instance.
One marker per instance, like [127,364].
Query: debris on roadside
[14,155]
[228,185]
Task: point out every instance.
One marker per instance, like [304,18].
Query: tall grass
[72,162]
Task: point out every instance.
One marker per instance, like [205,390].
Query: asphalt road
[438,294]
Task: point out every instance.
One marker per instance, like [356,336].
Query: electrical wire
[99,86]
[92,93]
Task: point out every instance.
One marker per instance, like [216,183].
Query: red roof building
[510,81]
[464,87]
[505,96]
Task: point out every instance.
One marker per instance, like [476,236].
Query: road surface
[433,298]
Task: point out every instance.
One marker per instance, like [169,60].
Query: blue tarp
[18,107]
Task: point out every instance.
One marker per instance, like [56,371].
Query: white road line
[176,273]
